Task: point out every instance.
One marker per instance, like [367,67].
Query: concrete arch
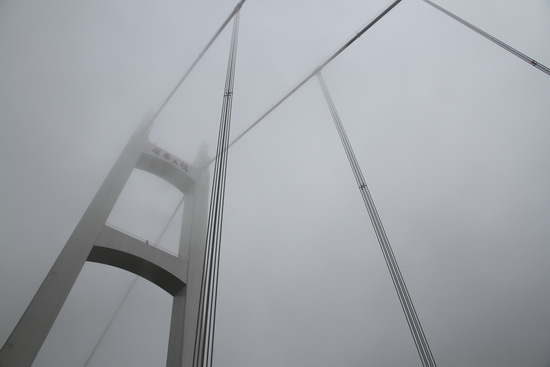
[123,251]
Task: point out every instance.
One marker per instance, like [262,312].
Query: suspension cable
[415,327]
[314,72]
[493,39]
[199,57]
[206,324]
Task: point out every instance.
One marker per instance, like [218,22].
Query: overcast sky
[452,134]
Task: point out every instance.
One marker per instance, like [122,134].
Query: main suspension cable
[493,39]
[415,327]
[314,72]
[199,57]
[206,324]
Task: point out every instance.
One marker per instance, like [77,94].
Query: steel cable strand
[491,38]
[196,61]
[415,327]
[376,223]
[205,292]
[202,333]
[398,285]
[396,280]
[205,337]
[391,264]
[402,290]
[223,176]
[404,287]
[210,247]
[361,183]
[317,69]
[408,307]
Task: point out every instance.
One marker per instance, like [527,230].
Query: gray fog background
[451,131]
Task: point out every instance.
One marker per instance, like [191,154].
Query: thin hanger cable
[405,300]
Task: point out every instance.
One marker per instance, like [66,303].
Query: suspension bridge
[419,339]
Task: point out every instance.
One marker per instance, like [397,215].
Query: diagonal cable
[415,327]
[313,73]
[493,39]
[199,57]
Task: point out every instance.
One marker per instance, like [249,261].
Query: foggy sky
[451,133]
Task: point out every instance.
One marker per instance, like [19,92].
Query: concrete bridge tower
[94,240]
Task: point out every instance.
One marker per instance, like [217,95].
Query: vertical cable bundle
[204,337]
[420,340]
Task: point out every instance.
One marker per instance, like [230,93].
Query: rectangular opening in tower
[149,209]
